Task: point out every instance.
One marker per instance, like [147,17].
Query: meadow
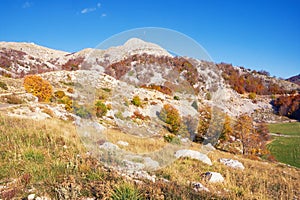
[286,146]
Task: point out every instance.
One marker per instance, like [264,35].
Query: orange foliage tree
[253,138]
[171,116]
[38,87]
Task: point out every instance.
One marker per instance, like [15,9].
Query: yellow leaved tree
[38,87]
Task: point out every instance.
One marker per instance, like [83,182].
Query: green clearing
[286,149]
[292,128]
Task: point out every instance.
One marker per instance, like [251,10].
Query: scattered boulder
[213,177]
[232,163]
[199,187]
[194,155]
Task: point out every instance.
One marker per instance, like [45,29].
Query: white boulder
[213,177]
[194,155]
[232,163]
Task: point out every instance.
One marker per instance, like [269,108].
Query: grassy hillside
[292,128]
[47,158]
[286,147]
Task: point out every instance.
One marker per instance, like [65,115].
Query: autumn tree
[243,131]
[227,129]
[171,116]
[38,87]
[253,138]
[203,124]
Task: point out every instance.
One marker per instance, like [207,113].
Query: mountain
[294,79]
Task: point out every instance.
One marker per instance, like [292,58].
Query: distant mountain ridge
[294,79]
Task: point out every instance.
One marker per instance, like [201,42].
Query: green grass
[292,128]
[286,149]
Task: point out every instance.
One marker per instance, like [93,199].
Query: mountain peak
[138,46]
[134,41]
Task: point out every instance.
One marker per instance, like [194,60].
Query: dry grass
[136,144]
[259,180]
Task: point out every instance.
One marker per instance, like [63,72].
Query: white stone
[193,154]
[199,187]
[232,163]
[31,196]
[214,177]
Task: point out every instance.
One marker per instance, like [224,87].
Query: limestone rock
[199,187]
[232,163]
[194,155]
[213,177]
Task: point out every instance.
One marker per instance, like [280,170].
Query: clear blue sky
[257,34]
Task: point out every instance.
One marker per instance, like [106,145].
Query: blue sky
[256,34]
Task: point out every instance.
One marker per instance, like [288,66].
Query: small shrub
[208,96]
[153,103]
[70,90]
[12,99]
[138,115]
[119,115]
[170,138]
[3,85]
[106,89]
[195,105]
[67,101]
[136,101]
[38,87]
[101,109]
[252,96]
[176,98]
[124,192]
[59,94]
[82,111]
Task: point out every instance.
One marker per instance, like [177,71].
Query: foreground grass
[286,148]
[48,158]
